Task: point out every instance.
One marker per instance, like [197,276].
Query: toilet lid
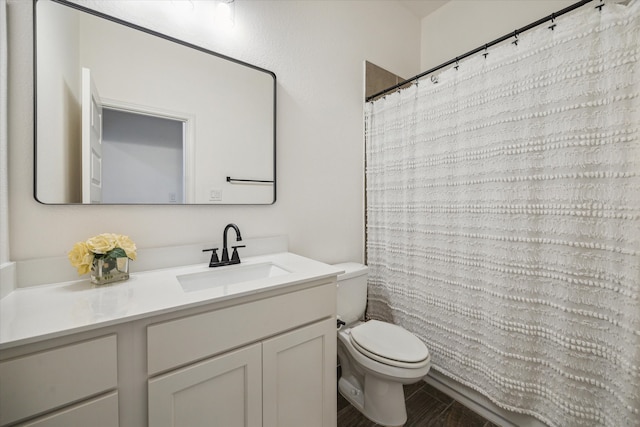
[389,341]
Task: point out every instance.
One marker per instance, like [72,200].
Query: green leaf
[116,253]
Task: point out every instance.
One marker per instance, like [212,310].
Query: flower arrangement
[107,246]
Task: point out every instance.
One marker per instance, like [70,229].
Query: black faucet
[235,258]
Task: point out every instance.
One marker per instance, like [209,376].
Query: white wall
[7,268]
[59,119]
[460,26]
[316,48]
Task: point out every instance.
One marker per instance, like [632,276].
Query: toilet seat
[389,344]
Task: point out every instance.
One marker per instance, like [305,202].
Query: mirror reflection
[127,116]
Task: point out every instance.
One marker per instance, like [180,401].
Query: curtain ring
[515,34]
[457,65]
[553,25]
[485,54]
[600,6]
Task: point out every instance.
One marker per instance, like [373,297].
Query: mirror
[125,115]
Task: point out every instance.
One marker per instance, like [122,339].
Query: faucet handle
[234,256]
[214,256]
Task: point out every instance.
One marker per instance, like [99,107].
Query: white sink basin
[229,275]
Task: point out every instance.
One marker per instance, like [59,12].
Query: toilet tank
[352,291]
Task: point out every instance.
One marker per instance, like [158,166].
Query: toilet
[377,358]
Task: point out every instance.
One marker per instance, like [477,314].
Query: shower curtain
[503,218]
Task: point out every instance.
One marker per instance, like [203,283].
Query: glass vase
[108,270]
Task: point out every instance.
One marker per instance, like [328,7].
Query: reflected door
[91,140]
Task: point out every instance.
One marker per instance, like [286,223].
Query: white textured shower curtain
[503,219]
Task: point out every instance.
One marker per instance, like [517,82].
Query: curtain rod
[551,18]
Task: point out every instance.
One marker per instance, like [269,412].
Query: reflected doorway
[143,158]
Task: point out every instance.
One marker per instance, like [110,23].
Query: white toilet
[376,358]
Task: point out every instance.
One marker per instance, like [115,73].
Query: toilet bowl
[376,358]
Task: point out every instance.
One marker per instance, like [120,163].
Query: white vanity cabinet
[221,391]
[270,363]
[99,412]
[148,352]
[80,378]
[299,377]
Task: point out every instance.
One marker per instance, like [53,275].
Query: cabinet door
[221,391]
[299,379]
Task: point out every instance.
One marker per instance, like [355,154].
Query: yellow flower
[102,243]
[83,253]
[84,268]
[81,257]
[126,244]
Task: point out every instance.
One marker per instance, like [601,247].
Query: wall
[460,26]
[317,51]
[7,268]
[378,79]
[59,119]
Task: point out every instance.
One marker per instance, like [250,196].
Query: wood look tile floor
[426,407]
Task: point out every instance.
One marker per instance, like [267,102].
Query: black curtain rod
[551,18]
[232,180]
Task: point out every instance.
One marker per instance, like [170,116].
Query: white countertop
[41,312]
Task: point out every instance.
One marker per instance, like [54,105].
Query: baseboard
[479,403]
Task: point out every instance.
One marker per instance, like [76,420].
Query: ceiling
[422,8]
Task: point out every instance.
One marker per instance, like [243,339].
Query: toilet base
[381,401]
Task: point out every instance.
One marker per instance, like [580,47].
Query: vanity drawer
[40,382]
[178,342]
[99,412]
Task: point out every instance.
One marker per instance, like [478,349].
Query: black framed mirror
[126,115]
